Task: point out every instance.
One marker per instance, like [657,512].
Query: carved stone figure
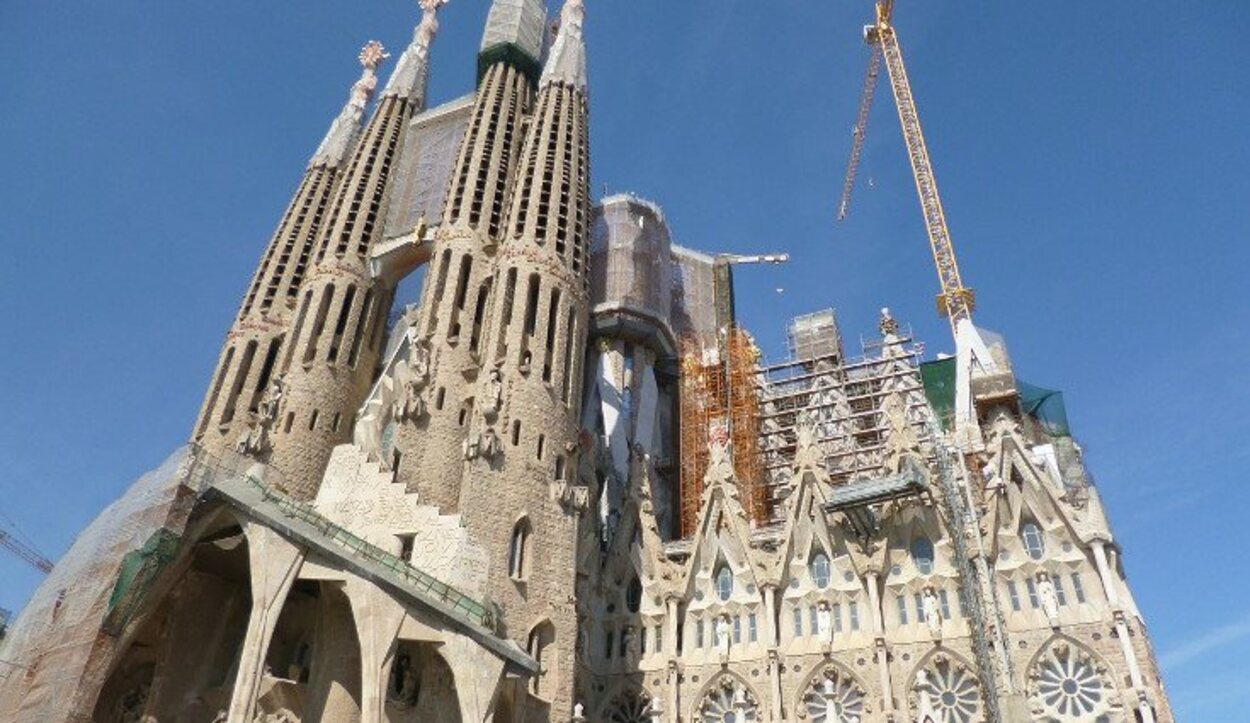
[489,443]
[494,392]
[270,403]
[932,613]
[824,621]
[1049,599]
[722,634]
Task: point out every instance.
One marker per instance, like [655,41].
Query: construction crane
[33,558]
[956,301]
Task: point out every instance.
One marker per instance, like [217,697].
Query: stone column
[1121,629]
[378,617]
[774,674]
[770,613]
[478,674]
[275,563]
[674,693]
[882,651]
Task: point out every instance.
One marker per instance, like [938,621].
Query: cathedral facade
[562,487]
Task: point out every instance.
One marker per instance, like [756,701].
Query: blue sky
[1092,159]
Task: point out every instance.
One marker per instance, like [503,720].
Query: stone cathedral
[565,486]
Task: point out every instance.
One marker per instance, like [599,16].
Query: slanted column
[478,674]
[882,651]
[378,617]
[1121,629]
[275,563]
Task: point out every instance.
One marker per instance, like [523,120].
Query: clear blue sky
[1092,156]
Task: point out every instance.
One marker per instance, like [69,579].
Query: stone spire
[240,411]
[338,331]
[413,69]
[566,61]
[345,129]
[461,280]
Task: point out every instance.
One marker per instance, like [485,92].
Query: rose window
[834,698]
[1069,687]
[728,702]
[951,690]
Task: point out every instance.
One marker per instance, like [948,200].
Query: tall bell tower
[337,332]
[518,494]
[239,411]
[430,451]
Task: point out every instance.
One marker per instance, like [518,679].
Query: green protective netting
[939,387]
[139,569]
[1046,406]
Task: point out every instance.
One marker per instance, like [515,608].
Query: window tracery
[1069,687]
[630,707]
[948,691]
[728,701]
[834,697]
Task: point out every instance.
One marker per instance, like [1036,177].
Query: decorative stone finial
[343,131]
[409,77]
[371,56]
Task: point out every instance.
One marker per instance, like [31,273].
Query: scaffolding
[844,399]
[719,402]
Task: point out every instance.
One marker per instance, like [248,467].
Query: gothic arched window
[724,582]
[518,550]
[633,595]
[819,568]
[1034,544]
[922,555]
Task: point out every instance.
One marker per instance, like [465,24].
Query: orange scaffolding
[719,400]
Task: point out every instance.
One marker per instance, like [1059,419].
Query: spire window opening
[439,287]
[479,313]
[566,378]
[530,323]
[553,319]
[542,440]
[516,432]
[440,398]
[240,378]
[266,372]
[724,582]
[336,421]
[379,325]
[319,324]
[299,325]
[505,317]
[222,371]
[340,326]
[560,468]
[462,290]
[290,420]
[312,420]
[362,328]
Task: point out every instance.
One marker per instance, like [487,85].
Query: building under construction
[565,487]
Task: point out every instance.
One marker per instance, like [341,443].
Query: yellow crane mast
[955,301]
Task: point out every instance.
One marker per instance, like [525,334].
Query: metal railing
[202,471]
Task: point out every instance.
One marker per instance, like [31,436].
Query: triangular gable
[724,531]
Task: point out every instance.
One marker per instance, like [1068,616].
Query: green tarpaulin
[1044,405]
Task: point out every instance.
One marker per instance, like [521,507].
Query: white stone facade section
[362,497]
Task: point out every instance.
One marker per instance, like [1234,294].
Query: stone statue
[1050,600]
[471,445]
[494,392]
[932,613]
[824,621]
[722,634]
[270,403]
[419,362]
[579,713]
[489,443]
